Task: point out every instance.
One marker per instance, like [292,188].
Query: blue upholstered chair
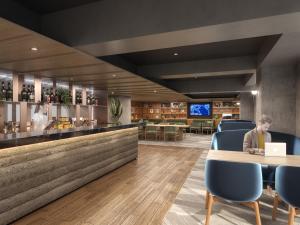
[292,142]
[231,140]
[235,182]
[288,189]
[235,125]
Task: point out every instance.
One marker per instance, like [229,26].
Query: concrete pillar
[247,106]
[277,97]
[298,101]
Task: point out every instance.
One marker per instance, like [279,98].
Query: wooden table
[162,126]
[245,157]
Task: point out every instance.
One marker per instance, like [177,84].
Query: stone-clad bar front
[36,174]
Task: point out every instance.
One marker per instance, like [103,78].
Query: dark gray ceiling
[213,95]
[233,48]
[49,6]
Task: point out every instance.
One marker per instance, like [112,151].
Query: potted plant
[116,110]
[64,96]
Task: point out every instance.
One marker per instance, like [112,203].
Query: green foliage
[116,109]
[64,96]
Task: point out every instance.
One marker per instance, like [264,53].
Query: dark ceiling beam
[17,13]
[145,18]
[215,85]
[223,66]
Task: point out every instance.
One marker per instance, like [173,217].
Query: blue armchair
[231,140]
[236,182]
[287,186]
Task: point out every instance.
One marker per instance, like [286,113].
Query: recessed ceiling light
[155,91]
[175,54]
[34,49]
[112,92]
[254,92]
[114,75]
[238,103]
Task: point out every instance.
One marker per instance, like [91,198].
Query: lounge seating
[228,140]
[235,182]
[232,140]
[236,125]
[292,142]
[288,186]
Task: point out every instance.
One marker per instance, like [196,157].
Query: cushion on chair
[288,185]
[231,140]
[233,181]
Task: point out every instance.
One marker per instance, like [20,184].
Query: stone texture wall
[298,101]
[34,175]
[247,106]
[277,97]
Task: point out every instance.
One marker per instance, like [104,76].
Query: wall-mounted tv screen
[200,110]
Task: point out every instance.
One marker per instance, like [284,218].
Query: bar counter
[54,164]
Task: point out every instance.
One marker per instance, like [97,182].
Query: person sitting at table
[256,139]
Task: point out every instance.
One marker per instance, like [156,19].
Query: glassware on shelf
[24,94]
[9,92]
[31,95]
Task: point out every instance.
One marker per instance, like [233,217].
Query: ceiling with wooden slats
[63,63]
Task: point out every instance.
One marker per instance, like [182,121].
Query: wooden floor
[139,193]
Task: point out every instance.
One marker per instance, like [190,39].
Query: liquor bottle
[31,96]
[77,100]
[43,95]
[47,96]
[57,97]
[28,92]
[9,92]
[24,94]
[80,98]
[70,97]
[93,100]
[88,100]
[3,91]
[52,99]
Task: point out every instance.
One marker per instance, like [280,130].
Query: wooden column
[2,117]
[83,96]
[37,89]
[73,94]
[77,115]
[90,112]
[17,81]
[23,116]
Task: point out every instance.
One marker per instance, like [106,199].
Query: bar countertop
[25,138]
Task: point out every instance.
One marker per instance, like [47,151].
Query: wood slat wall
[34,175]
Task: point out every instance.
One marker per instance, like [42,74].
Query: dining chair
[171,131]
[287,186]
[151,131]
[233,182]
[141,132]
[207,125]
[196,126]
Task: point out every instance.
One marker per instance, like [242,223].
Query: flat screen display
[203,109]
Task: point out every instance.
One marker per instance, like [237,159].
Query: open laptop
[275,149]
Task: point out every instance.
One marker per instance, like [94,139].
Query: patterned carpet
[188,207]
